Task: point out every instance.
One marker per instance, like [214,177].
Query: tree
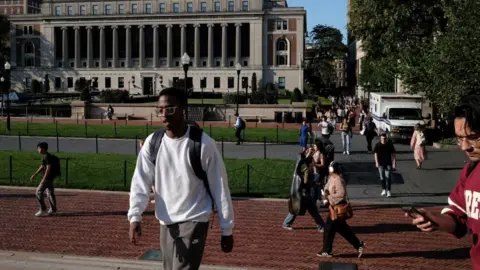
[377,75]
[327,46]
[4,37]
[46,84]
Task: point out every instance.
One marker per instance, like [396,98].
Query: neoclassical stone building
[137,45]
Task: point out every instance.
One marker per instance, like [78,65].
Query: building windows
[282,25]
[148,8]
[282,52]
[121,82]
[108,9]
[95,9]
[231,82]
[281,82]
[203,7]
[28,30]
[217,6]
[244,5]
[83,10]
[203,82]
[69,82]
[121,9]
[18,10]
[108,82]
[57,83]
[216,82]
[70,10]
[189,7]
[134,8]
[162,7]
[231,6]
[176,7]
[57,11]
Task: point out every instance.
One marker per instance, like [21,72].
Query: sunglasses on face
[471,140]
[169,110]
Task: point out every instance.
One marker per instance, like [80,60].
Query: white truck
[396,114]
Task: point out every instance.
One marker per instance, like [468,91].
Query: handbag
[341,211]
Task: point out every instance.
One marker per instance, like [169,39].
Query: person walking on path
[327,127]
[461,216]
[346,134]
[336,194]
[385,161]
[184,202]
[369,131]
[418,143]
[305,132]
[239,127]
[310,205]
[50,168]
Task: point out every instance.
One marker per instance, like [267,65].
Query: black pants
[238,134]
[340,226]
[369,142]
[47,186]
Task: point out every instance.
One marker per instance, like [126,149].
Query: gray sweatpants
[182,244]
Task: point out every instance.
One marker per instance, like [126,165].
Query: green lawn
[131,131]
[269,178]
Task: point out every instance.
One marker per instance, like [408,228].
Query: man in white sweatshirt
[182,203]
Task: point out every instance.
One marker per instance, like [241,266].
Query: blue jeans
[312,210]
[346,136]
[385,176]
[317,187]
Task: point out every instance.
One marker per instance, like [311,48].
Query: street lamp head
[238,67]
[7,66]
[2,79]
[185,59]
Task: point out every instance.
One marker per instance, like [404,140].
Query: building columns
[238,46]
[141,46]
[196,60]
[169,45]
[65,46]
[128,46]
[224,44]
[89,47]
[102,46]
[183,42]
[155,46]
[210,44]
[77,46]
[115,46]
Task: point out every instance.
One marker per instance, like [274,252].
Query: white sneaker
[348,152]
[41,213]
[384,192]
[389,194]
[344,152]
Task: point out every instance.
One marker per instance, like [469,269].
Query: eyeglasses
[471,140]
[170,110]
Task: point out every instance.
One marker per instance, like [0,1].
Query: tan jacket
[337,191]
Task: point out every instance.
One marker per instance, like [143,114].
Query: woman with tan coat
[335,193]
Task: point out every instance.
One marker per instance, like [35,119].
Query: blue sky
[328,12]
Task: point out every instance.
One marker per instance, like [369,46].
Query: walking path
[95,224]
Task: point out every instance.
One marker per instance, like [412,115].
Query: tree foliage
[431,45]
[4,37]
[327,46]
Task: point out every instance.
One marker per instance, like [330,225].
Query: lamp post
[7,90]
[2,90]
[239,69]
[185,64]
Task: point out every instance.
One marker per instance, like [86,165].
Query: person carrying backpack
[240,125]
[51,169]
[190,181]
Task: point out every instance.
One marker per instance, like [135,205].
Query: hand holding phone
[412,212]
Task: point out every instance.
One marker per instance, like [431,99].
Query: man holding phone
[462,214]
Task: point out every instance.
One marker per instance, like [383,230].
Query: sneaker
[287,227]
[325,254]
[344,152]
[348,152]
[41,213]
[389,194]
[361,249]
[384,192]
[51,211]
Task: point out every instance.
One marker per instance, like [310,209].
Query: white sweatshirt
[179,194]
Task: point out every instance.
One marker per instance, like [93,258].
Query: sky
[328,12]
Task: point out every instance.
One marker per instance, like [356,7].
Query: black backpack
[55,163]
[195,154]
[242,124]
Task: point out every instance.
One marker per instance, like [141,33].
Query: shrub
[264,98]
[231,98]
[115,96]
[285,93]
[80,84]
[296,96]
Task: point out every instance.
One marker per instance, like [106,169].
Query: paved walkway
[95,224]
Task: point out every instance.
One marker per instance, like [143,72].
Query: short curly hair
[469,108]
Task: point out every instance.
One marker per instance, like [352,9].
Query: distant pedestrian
[336,195]
[418,143]
[305,132]
[346,134]
[327,127]
[385,161]
[50,170]
[239,127]
[369,131]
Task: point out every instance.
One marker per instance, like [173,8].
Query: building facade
[19,7]
[138,45]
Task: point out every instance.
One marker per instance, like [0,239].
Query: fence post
[256,121]
[96,143]
[58,144]
[101,119]
[211,135]
[11,168]
[277,134]
[124,173]
[222,149]
[28,127]
[86,129]
[77,118]
[19,142]
[264,147]
[151,119]
[146,127]
[53,117]
[66,171]
[248,180]
[126,119]
[114,129]
[136,144]
[56,127]
[229,122]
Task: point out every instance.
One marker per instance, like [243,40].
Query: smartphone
[412,212]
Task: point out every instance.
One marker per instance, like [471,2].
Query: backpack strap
[155,143]
[196,161]
[471,167]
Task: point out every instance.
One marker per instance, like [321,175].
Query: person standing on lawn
[182,202]
[51,169]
